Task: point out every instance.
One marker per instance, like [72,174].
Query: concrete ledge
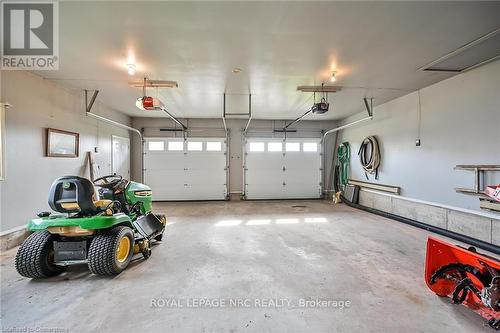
[435,216]
[479,225]
[366,198]
[495,232]
[475,226]
[13,237]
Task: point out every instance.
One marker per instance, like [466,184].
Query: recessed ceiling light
[131,69]
[237,70]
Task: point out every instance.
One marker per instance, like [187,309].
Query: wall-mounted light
[333,78]
[131,69]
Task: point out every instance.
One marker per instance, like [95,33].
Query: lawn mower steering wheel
[108,182]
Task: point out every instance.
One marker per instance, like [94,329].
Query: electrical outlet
[96,150]
[417,142]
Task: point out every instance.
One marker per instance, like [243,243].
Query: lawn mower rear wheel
[35,257]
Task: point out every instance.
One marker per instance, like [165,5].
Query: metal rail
[333,130]
[249,112]
[296,120]
[88,108]
[177,121]
[115,123]
[369,109]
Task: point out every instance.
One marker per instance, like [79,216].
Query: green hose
[343,155]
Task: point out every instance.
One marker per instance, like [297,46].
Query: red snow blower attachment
[467,277]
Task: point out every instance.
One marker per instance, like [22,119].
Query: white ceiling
[279,46]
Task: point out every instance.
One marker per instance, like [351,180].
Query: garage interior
[302,153]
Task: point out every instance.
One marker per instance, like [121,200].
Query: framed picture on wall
[62,143]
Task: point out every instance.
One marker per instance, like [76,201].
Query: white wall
[36,105]
[460,124]
[214,128]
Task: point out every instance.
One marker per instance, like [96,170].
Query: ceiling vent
[474,54]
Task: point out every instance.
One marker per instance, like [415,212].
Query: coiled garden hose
[371,162]
[343,156]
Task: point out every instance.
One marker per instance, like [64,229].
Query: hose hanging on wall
[343,156]
[371,162]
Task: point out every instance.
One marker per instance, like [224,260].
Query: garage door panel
[202,192]
[264,174]
[207,168]
[301,191]
[306,179]
[168,192]
[202,177]
[163,161]
[261,160]
[299,159]
[297,172]
[164,176]
[265,191]
[194,158]
[167,183]
[271,182]
[187,175]
[304,165]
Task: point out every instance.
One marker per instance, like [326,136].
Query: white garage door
[277,169]
[192,169]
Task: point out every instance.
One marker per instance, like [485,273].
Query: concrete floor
[252,253]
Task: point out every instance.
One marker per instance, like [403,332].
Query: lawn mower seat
[72,194]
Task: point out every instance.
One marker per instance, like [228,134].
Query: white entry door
[192,169]
[120,159]
[277,169]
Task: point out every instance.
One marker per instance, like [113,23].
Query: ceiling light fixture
[237,70]
[131,69]
[333,78]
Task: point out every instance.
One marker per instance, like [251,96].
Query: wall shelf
[478,190]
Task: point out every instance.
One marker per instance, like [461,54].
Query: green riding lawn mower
[102,228]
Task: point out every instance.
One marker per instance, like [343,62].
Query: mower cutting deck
[467,277]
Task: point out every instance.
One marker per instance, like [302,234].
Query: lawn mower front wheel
[111,250]
[35,256]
